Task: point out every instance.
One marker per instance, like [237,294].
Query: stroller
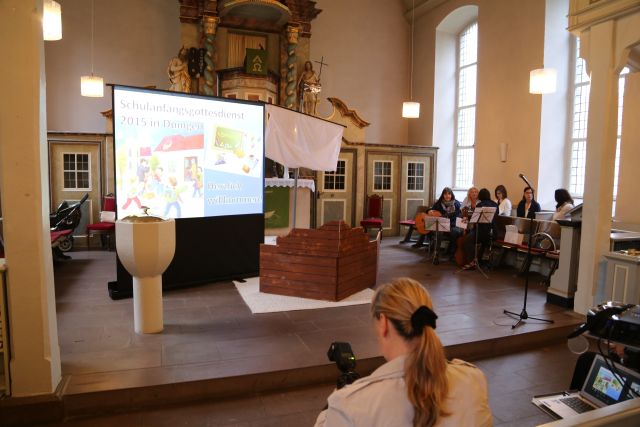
[66,218]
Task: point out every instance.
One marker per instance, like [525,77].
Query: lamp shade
[92,86]
[543,80]
[411,110]
[51,20]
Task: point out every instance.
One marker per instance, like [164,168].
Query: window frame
[457,148]
[373,176]
[75,171]
[424,167]
[327,174]
[571,184]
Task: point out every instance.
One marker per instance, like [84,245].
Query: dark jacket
[535,207]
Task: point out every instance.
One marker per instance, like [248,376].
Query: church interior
[404,100]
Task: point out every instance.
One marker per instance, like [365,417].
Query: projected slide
[185,156]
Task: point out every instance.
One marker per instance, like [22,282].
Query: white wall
[511,43]
[133,43]
[366,44]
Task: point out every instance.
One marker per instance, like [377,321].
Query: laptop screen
[605,387]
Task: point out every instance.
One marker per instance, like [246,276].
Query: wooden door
[416,184]
[383,178]
[336,191]
[75,170]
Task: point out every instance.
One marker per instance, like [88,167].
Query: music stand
[523,314]
[437,224]
[481,215]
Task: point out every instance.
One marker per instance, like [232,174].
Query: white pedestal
[147,304]
[146,248]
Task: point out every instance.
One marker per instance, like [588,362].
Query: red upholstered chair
[373,213]
[106,226]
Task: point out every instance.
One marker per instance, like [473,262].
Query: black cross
[321,64]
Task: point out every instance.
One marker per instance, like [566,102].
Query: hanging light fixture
[51,20]
[543,80]
[92,86]
[411,109]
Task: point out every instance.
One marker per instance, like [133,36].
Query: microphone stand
[523,314]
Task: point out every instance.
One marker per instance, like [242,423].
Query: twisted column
[290,90]
[210,25]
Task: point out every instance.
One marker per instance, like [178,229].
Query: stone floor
[210,333]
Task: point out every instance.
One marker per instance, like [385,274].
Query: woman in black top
[528,206]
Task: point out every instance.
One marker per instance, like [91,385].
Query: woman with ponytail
[417,386]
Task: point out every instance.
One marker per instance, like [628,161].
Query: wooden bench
[545,242]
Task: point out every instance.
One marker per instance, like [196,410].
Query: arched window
[621,81]
[581,87]
[465,129]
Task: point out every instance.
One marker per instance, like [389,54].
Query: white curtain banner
[297,140]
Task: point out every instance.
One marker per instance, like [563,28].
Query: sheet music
[461,223]
[443,224]
[483,215]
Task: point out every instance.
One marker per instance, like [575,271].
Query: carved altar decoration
[354,124]
[329,263]
[284,30]
[178,72]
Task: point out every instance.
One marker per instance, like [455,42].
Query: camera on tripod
[341,353]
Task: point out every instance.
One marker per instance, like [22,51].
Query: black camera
[341,353]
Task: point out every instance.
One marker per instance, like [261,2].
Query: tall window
[621,81]
[76,171]
[336,180]
[581,87]
[415,176]
[467,68]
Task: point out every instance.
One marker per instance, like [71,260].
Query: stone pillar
[627,211]
[35,354]
[209,27]
[292,74]
[599,52]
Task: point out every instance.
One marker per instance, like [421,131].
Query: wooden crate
[329,263]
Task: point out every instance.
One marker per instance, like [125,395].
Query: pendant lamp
[51,20]
[411,109]
[92,86]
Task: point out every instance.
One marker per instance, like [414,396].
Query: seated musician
[485,231]
[528,206]
[447,207]
[470,201]
[564,204]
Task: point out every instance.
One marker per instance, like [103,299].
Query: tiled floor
[210,333]
[513,380]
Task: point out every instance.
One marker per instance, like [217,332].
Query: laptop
[600,388]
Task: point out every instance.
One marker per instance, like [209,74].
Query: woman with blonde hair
[417,386]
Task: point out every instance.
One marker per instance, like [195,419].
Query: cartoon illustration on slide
[157,176]
[172,197]
[233,151]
